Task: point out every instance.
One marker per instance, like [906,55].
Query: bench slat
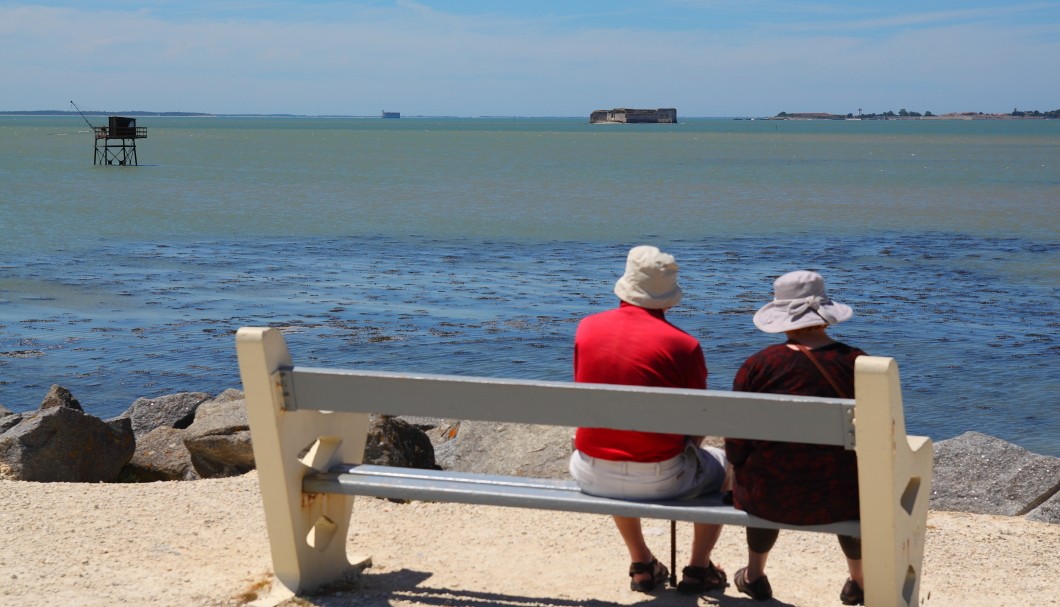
[542,494]
[823,421]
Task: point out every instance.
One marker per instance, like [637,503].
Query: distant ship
[387,114]
[666,115]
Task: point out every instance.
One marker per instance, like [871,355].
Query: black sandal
[658,572]
[759,590]
[709,578]
[852,593]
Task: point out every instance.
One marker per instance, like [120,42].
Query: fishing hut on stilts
[116,142]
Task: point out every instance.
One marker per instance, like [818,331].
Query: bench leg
[307,532]
[894,474]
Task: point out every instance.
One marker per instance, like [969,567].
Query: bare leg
[726,485]
[759,543]
[852,551]
[752,580]
[856,573]
[756,565]
[704,537]
[633,535]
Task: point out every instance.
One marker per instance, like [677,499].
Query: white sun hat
[799,301]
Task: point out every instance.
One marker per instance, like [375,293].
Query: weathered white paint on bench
[291,408]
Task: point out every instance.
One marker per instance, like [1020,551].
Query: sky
[710,58]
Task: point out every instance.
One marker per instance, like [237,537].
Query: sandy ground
[204,543]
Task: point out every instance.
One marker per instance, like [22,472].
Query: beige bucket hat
[650,280]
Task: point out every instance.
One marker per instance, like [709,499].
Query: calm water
[473,246]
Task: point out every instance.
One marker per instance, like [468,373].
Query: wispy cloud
[929,18]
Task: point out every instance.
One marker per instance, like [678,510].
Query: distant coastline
[127,113]
[890,115]
[907,115]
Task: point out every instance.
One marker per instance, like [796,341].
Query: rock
[219,438]
[169,411]
[61,443]
[426,423]
[160,456]
[396,442]
[9,420]
[442,432]
[1048,511]
[981,474]
[4,411]
[59,396]
[218,444]
[509,449]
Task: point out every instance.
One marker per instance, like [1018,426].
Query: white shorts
[695,471]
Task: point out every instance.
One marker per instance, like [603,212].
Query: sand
[204,543]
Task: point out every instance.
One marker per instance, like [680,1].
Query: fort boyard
[665,115]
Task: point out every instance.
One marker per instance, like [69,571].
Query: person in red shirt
[634,345]
[797,483]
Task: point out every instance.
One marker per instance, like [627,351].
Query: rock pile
[182,437]
[189,436]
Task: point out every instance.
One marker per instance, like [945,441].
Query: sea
[473,246]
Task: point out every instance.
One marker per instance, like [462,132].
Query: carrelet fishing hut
[116,142]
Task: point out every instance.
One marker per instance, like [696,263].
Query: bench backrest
[827,421]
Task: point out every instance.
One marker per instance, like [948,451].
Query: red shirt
[634,346]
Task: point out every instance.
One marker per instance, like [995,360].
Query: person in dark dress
[797,483]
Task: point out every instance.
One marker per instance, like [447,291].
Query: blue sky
[531,58]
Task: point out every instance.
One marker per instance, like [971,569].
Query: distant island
[907,115]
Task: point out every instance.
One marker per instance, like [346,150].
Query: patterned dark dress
[795,483]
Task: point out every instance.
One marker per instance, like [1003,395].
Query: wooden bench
[309,429]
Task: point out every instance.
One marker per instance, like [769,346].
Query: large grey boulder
[160,451]
[219,438]
[395,442]
[160,456]
[508,449]
[981,474]
[61,443]
[169,411]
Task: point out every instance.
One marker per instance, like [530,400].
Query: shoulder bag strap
[828,376]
